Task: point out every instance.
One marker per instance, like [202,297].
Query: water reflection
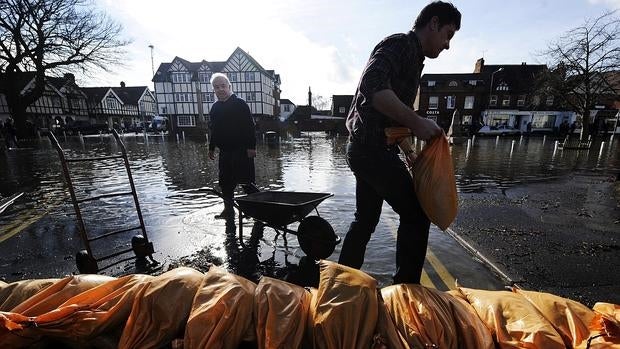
[172,177]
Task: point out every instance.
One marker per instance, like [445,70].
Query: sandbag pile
[348,310]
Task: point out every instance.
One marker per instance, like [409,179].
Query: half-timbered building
[184,93]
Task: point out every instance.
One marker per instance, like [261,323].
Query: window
[249,76]
[503,87]
[204,77]
[450,102]
[431,83]
[433,102]
[493,100]
[182,97]
[181,77]
[206,96]
[111,103]
[287,107]
[521,101]
[232,77]
[543,121]
[536,100]
[186,120]
[251,96]
[453,84]
[75,103]
[342,110]
[506,101]
[549,100]
[469,102]
[473,82]
[56,101]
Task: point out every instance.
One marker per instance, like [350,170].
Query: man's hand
[251,153]
[425,129]
[211,154]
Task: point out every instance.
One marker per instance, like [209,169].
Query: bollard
[81,137]
[207,137]
[496,141]
[544,139]
[65,134]
[101,136]
[601,150]
[468,149]
[512,146]
[177,138]
[473,140]
[183,136]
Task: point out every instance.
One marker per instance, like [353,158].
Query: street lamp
[491,91]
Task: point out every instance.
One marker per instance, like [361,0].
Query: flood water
[172,176]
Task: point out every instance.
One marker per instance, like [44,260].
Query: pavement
[560,236]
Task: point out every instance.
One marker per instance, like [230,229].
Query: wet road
[38,235]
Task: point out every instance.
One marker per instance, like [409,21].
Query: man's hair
[445,12]
[220,75]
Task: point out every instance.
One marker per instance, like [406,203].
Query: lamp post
[491,89]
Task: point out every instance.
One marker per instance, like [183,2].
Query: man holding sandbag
[384,98]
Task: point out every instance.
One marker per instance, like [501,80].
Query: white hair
[220,75]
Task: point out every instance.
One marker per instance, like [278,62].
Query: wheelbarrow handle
[219,193]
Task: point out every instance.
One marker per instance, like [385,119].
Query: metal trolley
[140,245]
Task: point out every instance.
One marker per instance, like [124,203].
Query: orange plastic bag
[14,293]
[161,309]
[606,322]
[280,312]
[514,322]
[571,319]
[221,314]
[433,175]
[345,310]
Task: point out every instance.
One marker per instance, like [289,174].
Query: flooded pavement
[39,238]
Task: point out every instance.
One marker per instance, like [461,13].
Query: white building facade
[184,93]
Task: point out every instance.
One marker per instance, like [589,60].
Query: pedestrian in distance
[384,96]
[232,133]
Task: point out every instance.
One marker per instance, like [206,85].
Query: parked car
[499,130]
[85,127]
[159,123]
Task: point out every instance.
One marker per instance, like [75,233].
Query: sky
[324,44]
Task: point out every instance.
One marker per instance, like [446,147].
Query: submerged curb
[497,270]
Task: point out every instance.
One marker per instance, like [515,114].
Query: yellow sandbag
[571,319]
[471,332]
[606,322]
[433,175]
[280,313]
[221,314]
[15,293]
[514,322]
[345,312]
[161,309]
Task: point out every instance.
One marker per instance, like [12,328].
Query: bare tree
[582,63]
[320,102]
[51,37]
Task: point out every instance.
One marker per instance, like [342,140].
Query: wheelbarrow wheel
[141,248]
[316,237]
[86,264]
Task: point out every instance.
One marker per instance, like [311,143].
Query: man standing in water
[384,98]
[232,132]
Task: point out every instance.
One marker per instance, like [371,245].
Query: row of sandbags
[190,309]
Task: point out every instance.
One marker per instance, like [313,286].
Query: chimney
[523,63]
[309,97]
[122,83]
[479,65]
[69,77]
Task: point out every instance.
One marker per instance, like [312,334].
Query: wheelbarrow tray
[279,208]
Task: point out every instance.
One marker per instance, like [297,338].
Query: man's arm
[387,103]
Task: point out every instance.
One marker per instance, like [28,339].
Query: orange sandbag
[434,182]
[427,317]
[80,318]
[514,322]
[606,322]
[15,293]
[433,175]
[345,310]
[571,319]
[221,314]
[280,312]
[161,309]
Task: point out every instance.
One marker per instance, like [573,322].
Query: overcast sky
[325,43]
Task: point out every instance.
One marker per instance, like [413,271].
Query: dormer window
[503,87]
[473,82]
[431,83]
[453,84]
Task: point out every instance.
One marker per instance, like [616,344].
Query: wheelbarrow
[278,209]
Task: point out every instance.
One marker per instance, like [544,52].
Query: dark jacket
[232,126]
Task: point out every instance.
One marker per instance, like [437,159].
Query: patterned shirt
[395,63]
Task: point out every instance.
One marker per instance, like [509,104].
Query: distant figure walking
[10,134]
[232,132]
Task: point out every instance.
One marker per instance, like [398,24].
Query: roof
[517,76]
[193,67]
[451,76]
[95,94]
[286,101]
[130,94]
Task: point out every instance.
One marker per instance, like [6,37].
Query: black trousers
[235,167]
[381,175]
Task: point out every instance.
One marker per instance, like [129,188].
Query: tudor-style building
[184,93]
[341,104]
[62,101]
[120,107]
